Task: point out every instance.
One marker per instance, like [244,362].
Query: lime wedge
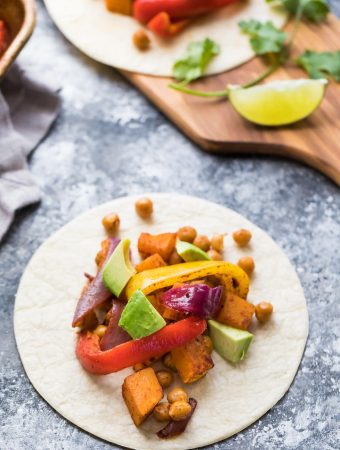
[279,102]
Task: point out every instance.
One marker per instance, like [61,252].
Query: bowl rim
[21,38]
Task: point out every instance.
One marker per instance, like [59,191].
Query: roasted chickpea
[161,412]
[207,343]
[168,362]
[100,331]
[263,311]
[242,237]
[111,223]
[214,255]
[165,378]
[177,395]
[202,242]
[179,410]
[175,258]
[141,40]
[144,207]
[187,234]
[138,367]
[217,242]
[247,264]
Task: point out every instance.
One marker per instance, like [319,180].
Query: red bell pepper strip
[134,352]
[96,292]
[145,10]
[162,26]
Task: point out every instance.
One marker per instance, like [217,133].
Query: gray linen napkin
[27,110]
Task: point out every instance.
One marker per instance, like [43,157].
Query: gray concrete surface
[110,141]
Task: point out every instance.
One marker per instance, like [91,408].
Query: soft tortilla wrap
[230,397]
[107,37]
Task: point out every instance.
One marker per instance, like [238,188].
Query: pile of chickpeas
[213,247]
[177,406]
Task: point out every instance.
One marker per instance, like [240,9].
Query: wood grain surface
[216,127]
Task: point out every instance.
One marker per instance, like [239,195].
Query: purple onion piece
[114,334]
[173,428]
[96,293]
[197,299]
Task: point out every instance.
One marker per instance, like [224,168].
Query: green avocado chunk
[230,343]
[139,318]
[118,270]
[190,252]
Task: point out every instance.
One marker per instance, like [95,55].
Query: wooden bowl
[19,16]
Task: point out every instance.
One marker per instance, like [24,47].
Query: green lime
[278,102]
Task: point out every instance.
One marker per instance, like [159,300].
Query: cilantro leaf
[313,10]
[321,64]
[196,59]
[265,37]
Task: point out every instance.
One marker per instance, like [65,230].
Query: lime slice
[279,102]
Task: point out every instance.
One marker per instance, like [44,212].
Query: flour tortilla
[230,397]
[107,37]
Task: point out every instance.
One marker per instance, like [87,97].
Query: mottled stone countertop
[110,141]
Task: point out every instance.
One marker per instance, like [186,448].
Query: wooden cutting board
[216,127]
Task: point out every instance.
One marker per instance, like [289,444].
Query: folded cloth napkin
[27,110]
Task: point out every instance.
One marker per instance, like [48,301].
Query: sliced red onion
[197,299]
[173,428]
[114,334]
[96,293]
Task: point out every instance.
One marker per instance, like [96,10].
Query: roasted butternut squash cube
[163,244]
[192,360]
[119,6]
[236,312]
[152,262]
[141,392]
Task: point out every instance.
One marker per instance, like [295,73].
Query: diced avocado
[232,344]
[139,318]
[190,252]
[118,270]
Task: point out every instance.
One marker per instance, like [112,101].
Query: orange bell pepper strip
[134,352]
[232,277]
[162,26]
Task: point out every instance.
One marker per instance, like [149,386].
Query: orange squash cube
[152,262]
[141,392]
[163,244]
[192,360]
[236,312]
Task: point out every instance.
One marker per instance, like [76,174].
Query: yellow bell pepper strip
[232,277]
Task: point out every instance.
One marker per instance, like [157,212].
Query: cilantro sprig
[321,64]
[265,38]
[313,10]
[270,43]
[198,56]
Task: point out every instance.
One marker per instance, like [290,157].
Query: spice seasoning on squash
[192,360]
[142,392]
[151,262]
[163,244]
[236,312]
